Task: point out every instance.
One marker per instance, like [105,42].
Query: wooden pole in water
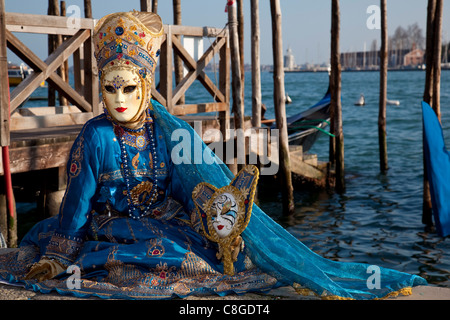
[87,9]
[235,67]
[256,65]
[437,53]
[236,83]
[427,214]
[240,18]
[382,140]
[428,93]
[335,92]
[146,5]
[432,89]
[280,108]
[155,6]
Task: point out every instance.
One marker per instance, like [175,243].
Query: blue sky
[306,23]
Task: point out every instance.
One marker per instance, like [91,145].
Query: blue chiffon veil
[274,250]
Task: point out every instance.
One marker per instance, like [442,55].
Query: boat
[288,99]
[361,101]
[392,102]
[16,73]
[304,128]
[437,161]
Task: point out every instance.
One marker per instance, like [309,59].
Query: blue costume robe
[164,254]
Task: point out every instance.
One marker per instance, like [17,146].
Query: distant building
[367,60]
[289,60]
[414,57]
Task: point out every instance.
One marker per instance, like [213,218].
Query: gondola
[304,128]
[437,161]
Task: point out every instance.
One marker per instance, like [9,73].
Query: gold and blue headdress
[129,39]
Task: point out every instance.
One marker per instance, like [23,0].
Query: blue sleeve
[75,210]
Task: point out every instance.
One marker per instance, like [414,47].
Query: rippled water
[378,219]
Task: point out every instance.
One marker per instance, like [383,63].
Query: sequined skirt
[136,259]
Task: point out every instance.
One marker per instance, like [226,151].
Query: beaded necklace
[127,173]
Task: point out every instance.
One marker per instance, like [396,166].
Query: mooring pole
[280,108]
[427,215]
[256,65]
[382,139]
[335,92]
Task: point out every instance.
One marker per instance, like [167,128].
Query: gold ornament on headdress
[133,37]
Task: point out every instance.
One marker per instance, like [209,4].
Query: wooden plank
[195,31]
[52,120]
[43,111]
[43,23]
[46,156]
[45,70]
[201,107]
[305,170]
[42,30]
[40,136]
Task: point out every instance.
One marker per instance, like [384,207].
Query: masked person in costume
[139,226]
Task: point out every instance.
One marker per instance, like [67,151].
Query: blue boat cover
[437,159]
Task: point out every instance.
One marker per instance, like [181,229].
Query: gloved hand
[45,269]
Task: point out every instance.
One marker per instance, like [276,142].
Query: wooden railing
[79,43]
[85,94]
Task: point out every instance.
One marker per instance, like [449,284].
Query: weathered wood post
[382,140]
[432,89]
[53,10]
[155,6]
[146,5]
[428,92]
[235,67]
[256,65]
[240,19]
[280,108]
[9,214]
[236,82]
[437,53]
[88,9]
[64,70]
[177,60]
[335,92]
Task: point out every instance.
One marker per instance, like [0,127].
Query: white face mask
[122,94]
[225,207]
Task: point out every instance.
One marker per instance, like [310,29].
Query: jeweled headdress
[129,38]
[131,41]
